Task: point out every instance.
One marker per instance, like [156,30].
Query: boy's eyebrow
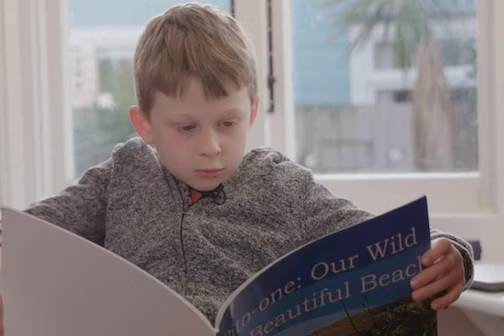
[179,115]
[226,113]
[233,111]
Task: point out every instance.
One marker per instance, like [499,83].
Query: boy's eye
[228,123]
[187,128]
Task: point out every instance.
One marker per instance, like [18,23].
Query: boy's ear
[141,123]
[253,112]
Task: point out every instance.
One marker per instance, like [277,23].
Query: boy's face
[202,142]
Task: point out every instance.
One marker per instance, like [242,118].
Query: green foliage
[406,23]
[403,317]
[116,81]
[98,128]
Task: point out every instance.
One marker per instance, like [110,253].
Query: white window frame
[468,204]
[4,190]
[253,16]
[36,137]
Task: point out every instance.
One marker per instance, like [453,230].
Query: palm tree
[410,25]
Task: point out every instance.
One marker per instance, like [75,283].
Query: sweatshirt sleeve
[315,210]
[80,208]
[321,213]
[465,250]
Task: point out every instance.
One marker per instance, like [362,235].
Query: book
[351,282]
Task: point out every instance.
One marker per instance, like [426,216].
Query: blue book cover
[351,282]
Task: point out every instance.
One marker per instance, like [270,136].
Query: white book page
[55,283]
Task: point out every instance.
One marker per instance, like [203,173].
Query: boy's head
[195,77]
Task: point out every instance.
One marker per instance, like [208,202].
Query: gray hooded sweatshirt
[133,206]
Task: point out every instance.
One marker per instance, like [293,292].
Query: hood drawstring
[218,195]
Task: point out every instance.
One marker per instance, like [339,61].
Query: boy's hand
[444,273]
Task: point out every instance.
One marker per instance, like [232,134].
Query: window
[342,128]
[454,52]
[458,52]
[385,57]
[393,97]
[402,122]
[103,36]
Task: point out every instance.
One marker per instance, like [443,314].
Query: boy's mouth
[209,173]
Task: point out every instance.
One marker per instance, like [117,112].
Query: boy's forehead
[193,96]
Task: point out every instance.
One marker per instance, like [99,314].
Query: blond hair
[193,40]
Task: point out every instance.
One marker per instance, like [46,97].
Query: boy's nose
[210,146]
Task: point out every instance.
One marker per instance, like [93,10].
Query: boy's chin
[205,185]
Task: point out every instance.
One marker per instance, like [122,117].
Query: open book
[353,282]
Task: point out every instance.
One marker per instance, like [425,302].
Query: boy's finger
[448,299]
[435,287]
[430,274]
[440,247]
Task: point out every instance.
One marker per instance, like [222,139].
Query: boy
[184,201]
